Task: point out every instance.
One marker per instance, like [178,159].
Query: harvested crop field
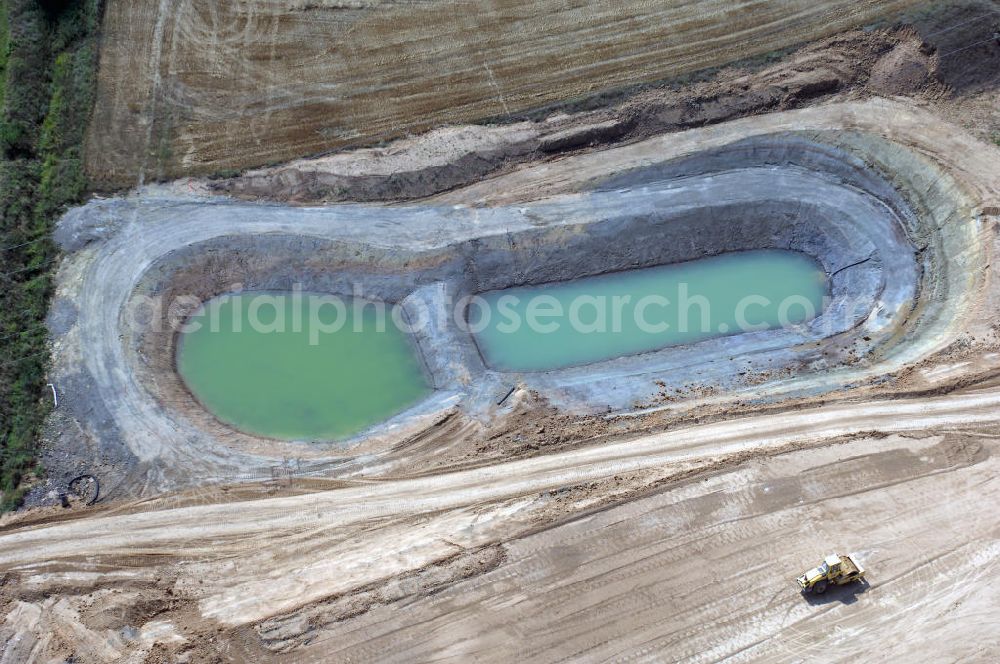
[203,86]
[649,502]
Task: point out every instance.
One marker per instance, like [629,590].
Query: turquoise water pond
[587,320]
[300,379]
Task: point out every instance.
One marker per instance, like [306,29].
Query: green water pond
[272,365]
[587,320]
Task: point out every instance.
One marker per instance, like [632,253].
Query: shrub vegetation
[48,55]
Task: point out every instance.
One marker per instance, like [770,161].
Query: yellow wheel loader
[833,571]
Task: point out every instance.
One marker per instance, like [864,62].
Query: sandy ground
[700,572]
[677,544]
[702,566]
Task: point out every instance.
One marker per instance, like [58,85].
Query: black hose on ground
[74,484]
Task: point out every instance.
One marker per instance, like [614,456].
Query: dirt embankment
[964,36]
[146,240]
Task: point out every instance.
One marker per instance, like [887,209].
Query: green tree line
[48,55]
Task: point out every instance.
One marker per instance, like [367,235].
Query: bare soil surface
[702,571]
[703,564]
[850,65]
[203,86]
[964,37]
[119,384]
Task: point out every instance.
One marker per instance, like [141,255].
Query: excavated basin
[890,233]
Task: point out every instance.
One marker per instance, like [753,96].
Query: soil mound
[906,69]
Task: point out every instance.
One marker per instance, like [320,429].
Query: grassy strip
[47,65]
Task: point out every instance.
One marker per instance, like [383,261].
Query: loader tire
[820,588]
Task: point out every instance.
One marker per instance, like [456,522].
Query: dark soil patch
[965,37]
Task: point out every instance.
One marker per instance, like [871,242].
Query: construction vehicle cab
[834,570]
